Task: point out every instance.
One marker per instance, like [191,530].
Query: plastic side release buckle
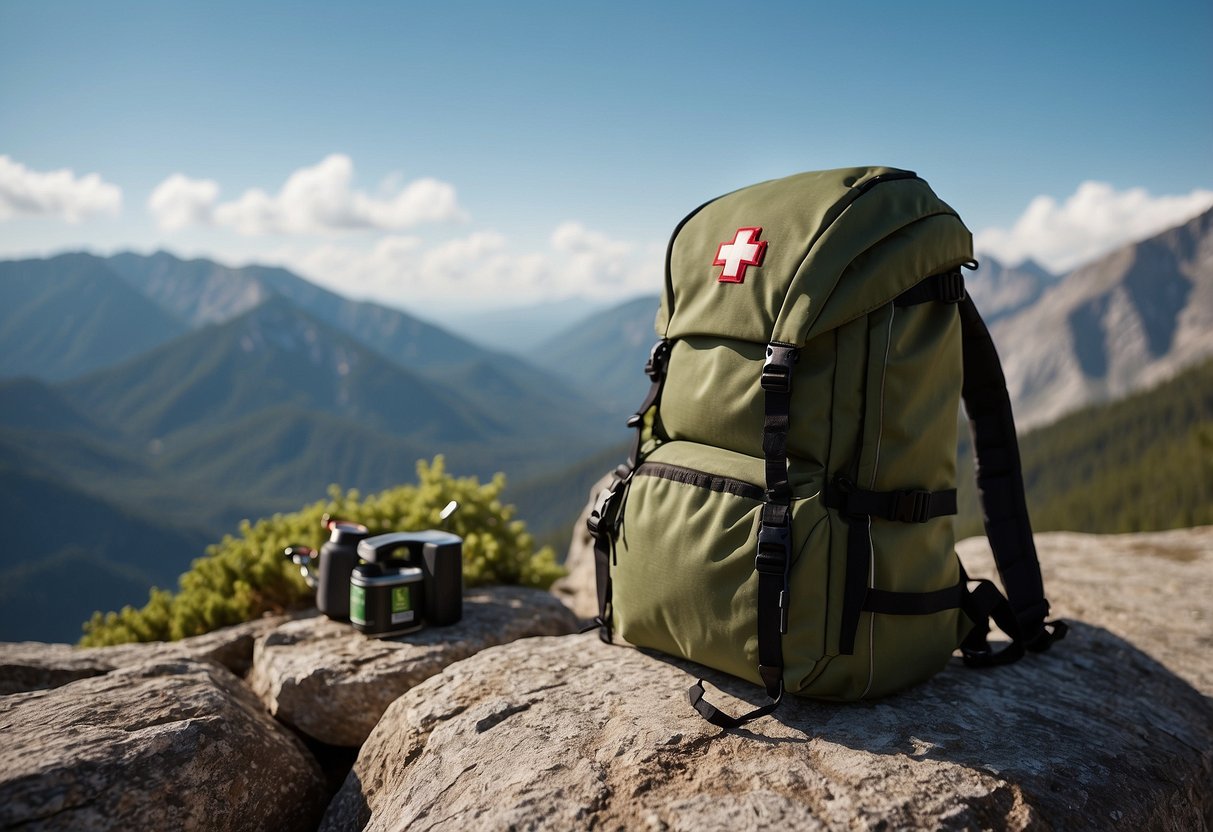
[604,516]
[777,370]
[659,356]
[912,506]
[773,558]
[774,546]
[952,287]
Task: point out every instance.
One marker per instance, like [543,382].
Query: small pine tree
[245,576]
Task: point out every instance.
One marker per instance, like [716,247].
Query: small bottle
[338,557]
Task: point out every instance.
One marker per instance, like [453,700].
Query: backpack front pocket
[683,578]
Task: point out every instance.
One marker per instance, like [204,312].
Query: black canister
[386,599]
[338,557]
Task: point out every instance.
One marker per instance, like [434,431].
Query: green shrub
[244,576]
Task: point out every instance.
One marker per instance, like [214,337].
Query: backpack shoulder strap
[1004,507]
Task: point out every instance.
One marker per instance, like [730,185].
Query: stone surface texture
[1154,589]
[571,733]
[34,665]
[333,683]
[174,744]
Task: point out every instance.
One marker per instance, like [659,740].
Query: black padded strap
[1000,482]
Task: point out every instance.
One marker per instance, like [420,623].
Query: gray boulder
[571,733]
[332,683]
[163,745]
[34,665]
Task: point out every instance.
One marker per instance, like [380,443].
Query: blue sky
[499,153]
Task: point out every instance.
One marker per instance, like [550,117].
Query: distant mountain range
[72,314]
[604,354]
[147,404]
[518,329]
[1000,291]
[1126,321]
[158,401]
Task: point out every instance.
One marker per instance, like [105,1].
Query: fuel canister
[386,599]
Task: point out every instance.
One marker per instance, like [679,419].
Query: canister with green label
[386,599]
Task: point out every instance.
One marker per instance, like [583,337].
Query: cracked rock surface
[34,665]
[329,681]
[177,744]
[571,733]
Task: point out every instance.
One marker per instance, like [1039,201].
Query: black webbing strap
[722,720]
[773,560]
[603,522]
[857,507]
[946,287]
[1000,484]
[888,602]
[911,505]
[603,525]
[855,579]
[654,368]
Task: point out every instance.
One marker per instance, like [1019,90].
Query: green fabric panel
[908,649]
[895,650]
[712,395]
[684,580]
[711,460]
[929,246]
[881,212]
[922,397]
[805,479]
[792,213]
[879,325]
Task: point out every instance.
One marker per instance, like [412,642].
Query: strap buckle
[777,370]
[952,287]
[912,506]
[604,516]
[774,547]
[659,356]
[773,559]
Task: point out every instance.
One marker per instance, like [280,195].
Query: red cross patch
[745,250]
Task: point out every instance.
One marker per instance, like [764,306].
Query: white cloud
[58,193]
[483,268]
[179,202]
[1094,220]
[592,259]
[313,200]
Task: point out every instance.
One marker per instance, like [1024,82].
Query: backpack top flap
[784,260]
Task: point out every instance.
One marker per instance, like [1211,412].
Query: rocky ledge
[1113,729]
[483,728]
[332,683]
[169,736]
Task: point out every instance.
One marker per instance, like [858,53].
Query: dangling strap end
[602,625]
[719,718]
[707,710]
[1050,632]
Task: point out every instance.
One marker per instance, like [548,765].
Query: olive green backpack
[785,513]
